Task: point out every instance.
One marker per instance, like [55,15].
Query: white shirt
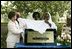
[13,32]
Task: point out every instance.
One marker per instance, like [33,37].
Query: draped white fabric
[37,25]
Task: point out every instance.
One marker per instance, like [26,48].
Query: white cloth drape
[37,25]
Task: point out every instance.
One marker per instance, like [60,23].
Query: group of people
[17,26]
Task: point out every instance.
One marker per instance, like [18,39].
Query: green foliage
[29,6]
[4,32]
[59,29]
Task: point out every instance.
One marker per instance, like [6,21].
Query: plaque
[33,37]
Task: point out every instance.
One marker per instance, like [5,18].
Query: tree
[29,6]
